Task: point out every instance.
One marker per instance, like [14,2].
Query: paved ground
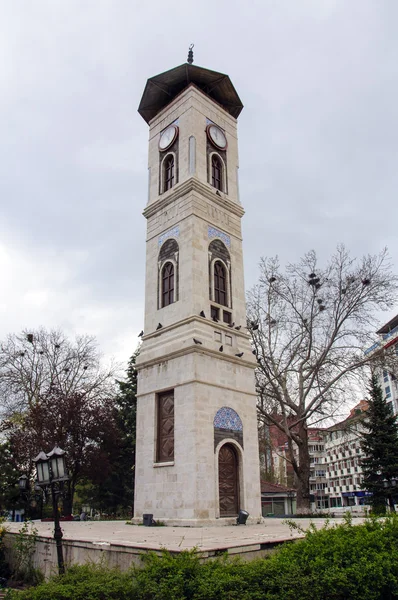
[174,538]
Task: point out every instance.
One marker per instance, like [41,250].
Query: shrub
[83,582]
[341,562]
[4,568]
[24,546]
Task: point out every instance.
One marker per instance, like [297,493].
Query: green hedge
[343,562]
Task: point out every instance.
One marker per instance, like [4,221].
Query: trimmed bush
[85,582]
[342,562]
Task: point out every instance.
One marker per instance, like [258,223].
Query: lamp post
[23,484]
[51,472]
[388,484]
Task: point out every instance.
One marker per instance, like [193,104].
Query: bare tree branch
[310,326]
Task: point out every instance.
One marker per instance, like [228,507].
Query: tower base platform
[117,543]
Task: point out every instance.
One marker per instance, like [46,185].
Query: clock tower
[197,457]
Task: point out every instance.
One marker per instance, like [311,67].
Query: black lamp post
[51,472]
[388,484]
[24,491]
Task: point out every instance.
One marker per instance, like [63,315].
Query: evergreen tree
[9,475]
[380,446]
[116,492]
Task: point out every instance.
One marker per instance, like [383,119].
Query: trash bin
[147,520]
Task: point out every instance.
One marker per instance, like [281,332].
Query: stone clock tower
[197,444]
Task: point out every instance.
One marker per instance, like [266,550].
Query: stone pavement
[105,533]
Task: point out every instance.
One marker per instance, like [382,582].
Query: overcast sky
[318,142]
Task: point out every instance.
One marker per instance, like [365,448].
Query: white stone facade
[185,491]
[343,456]
[388,379]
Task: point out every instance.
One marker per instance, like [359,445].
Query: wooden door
[165,445]
[228,481]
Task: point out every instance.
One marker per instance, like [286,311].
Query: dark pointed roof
[162,89]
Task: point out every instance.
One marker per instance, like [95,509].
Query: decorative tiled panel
[174,232]
[216,233]
[176,122]
[227,418]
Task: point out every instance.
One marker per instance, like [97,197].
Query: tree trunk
[303,472]
[391,503]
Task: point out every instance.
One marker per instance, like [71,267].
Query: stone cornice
[193,185]
[189,320]
[194,349]
[210,384]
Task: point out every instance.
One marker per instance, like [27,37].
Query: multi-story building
[342,455]
[281,469]
[318,477]
[388,338]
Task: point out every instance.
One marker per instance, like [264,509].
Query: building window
[385,376]
[167,284]
[165,437]
[388,391]
[215,313]
[169,172]
[227,317]
[220,284]
[219,273]
[216,172]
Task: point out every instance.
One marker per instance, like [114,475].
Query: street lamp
[24,492]
[23,483]
[51,472]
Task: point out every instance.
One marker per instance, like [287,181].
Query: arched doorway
[228,481]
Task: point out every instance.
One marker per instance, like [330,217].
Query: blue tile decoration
[212,233]
[174,232]
[228,418]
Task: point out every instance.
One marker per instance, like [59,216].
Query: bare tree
[310,326]
[34,363]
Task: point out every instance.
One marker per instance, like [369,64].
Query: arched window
[220,284]
[167,284]
[168,172]
[216,172]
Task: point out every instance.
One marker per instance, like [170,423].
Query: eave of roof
[389,326]
[163,88]
[269,488]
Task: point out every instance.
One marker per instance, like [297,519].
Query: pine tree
[380,446]
[115,492]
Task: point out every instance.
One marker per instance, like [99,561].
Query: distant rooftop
[355,414]
[163,88]
[274,488]
[389,326]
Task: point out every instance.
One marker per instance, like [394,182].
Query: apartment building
[342,455]
[318,472]
[388,338]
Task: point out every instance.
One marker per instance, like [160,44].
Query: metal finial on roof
[190,54]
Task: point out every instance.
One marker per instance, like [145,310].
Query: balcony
[387,340]
[372,348]
[387,336]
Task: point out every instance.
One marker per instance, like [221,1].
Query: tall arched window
[220,284]
[168,284]
[216,172]
[168,172]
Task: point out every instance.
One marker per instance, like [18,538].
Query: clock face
[217,137]
[168,137]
